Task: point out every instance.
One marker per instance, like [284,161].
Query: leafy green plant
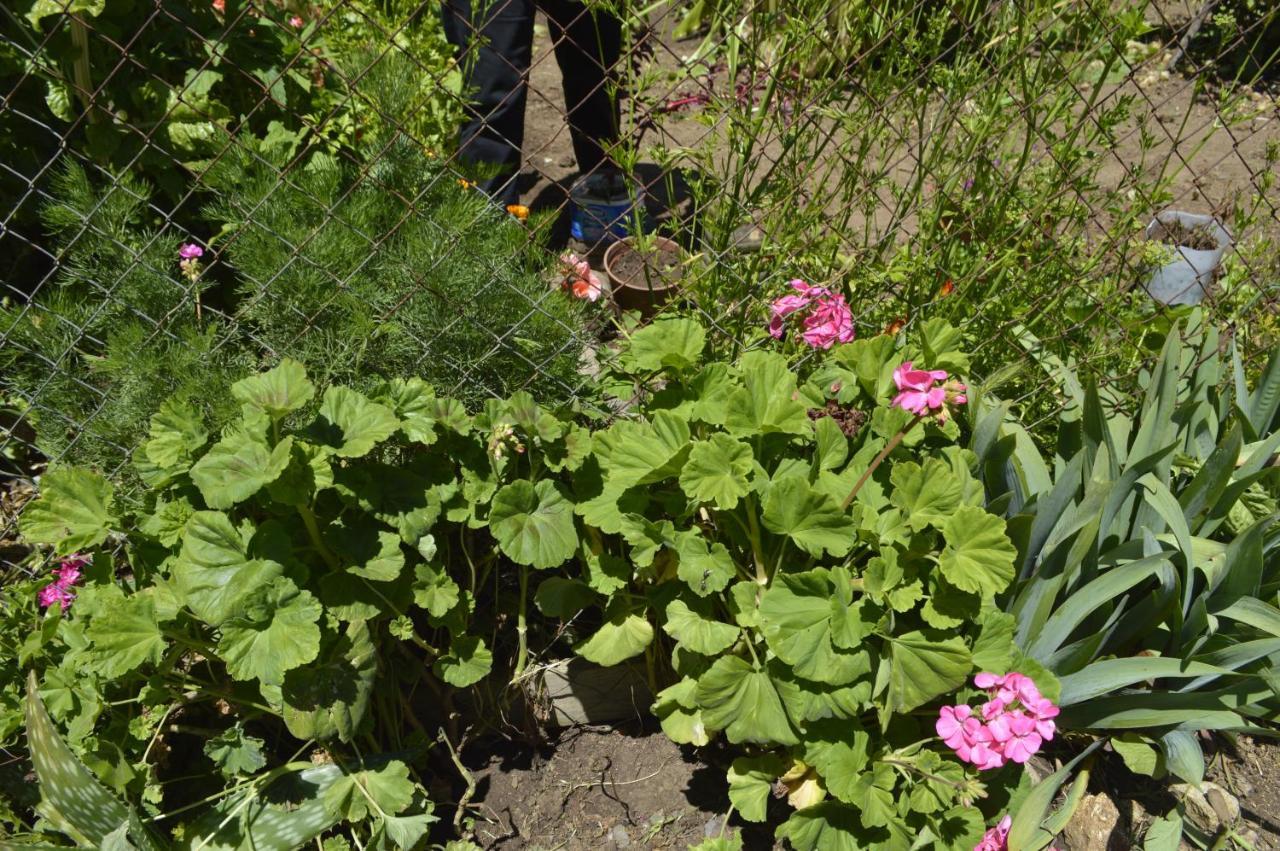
[356,281]
[1146,553]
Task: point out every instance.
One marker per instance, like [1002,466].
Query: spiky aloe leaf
[284,813]
[65,783]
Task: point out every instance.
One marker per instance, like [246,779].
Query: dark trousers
[494,39]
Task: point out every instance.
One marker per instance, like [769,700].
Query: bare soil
[600,789]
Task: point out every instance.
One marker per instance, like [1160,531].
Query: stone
[1093,826]
[619,837]
[1208,807]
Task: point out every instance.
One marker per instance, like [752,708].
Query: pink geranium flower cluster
[579,279]
[61,590]
[997,838]
[189,262]
[1010,727]
[920,393]
[827,319]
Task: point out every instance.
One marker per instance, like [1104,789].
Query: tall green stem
[757,548]
[877,461]
[313,531]
[522,627]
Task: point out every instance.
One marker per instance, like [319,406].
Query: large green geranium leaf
[717,471]
[921,669]
[214,572]
[768,402]
[796,617]
[73,513]
[705,568]
[277,632]
[743,701]
[928,495]
[829,826]
[751,784]
[809,517]
[177,432]
[166,523]
[558,597]
[624,634]
[366,550]
[388,788]
[238,466]
[978,556]
[675,342]
[350,425]
[234,752]
[637,453]
[839,751]
[533,524]
[681,720]
[694,625]
[467,662]
[277,391]
[330,697]
[414,403]
[434,590]
[126,634]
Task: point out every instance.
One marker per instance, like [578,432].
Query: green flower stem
[313,531]
[757,549]
[522,626]
[877,461]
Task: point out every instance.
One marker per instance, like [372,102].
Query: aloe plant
[1148,551]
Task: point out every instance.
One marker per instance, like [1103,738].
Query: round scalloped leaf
[73,512]
[350,425]
[751,784]
[743,701]
[717,471]
[213,572]
[533,524]
[978,556]
[238,466]
[276,633]
[277,391]
[694,626]
[467,662]
[809,517]
[625,633]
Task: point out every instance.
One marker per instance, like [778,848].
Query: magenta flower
[920,394]
[296,22]
[997,838]
[65,576]
[190,251]
[1012,725]
[828,320]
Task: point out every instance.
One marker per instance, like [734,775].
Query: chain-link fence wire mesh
[992,163]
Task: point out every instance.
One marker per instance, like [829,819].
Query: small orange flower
[520,211]
[946,289]
[895,326]
[465,184]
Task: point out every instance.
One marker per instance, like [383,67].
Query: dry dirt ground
[605,788]
[1212,163]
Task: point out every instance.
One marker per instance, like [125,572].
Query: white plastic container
[1187,278]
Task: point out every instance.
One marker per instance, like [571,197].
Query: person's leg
[587,44]
[494,40]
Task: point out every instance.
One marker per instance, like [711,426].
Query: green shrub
[357,281]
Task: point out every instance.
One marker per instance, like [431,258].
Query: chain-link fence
[190,191]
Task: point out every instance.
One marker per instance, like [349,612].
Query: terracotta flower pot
[644,282]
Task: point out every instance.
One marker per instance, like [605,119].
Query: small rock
[1092,825]
[566,161]
[619,837]
[1209,806]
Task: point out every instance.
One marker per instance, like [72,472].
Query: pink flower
[921,395]
[828,323]
[579,279]
[828,319]
[296,22]
[909,378]
[1011,726]
[65,576]
[190,251]
[219,6]
[997,838]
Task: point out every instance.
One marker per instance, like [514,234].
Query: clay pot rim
[628,241]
